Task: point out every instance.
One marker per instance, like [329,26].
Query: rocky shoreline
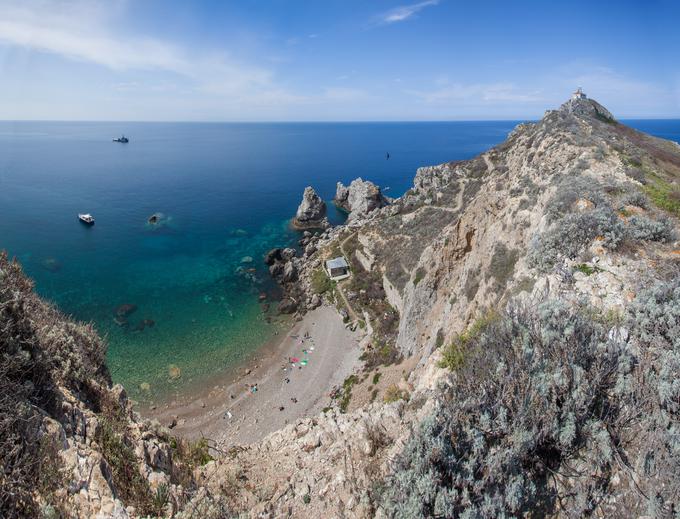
[293,271]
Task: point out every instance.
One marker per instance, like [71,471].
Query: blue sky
[333,60]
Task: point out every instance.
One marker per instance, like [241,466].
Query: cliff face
[528,303]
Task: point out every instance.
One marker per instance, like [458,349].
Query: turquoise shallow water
[227,192]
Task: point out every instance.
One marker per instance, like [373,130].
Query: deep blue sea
[227,192]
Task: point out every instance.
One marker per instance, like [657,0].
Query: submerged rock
[311,212]
[125,309]
[359,198]
[157,220]
[174,372]
[51,265]
[144,323]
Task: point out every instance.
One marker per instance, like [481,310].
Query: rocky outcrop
[77,448]
[359,198]
[587,107]
[311,213]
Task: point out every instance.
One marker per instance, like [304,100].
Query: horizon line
[312,121]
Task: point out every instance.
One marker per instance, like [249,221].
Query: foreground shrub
[643,228]
[568,237]
[555,411]
[538,395]
[636,199]
[571,189]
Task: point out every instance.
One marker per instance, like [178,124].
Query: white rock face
[360,198]
[311,212]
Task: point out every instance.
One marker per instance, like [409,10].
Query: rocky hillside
[70,445]
[524,306]
[536,287]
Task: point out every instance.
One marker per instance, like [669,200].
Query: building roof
[337,263]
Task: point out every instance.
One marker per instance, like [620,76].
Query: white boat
[86,218]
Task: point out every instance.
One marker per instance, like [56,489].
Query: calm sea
[226,192]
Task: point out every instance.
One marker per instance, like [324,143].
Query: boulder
[290,272]
[287,306]
[276,270]
[310,249]
[359,198]
[311,212]
[272,256]
[288,254]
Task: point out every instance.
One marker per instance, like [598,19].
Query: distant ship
[122,138]
[87,219]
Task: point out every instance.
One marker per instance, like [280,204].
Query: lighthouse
[578,94]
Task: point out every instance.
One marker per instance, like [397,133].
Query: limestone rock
[272,256]
[290,272]
[359,198]
[311,212]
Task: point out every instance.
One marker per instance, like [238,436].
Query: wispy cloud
[404,12]
[81,30]
[479,92]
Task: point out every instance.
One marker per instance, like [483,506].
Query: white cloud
[404,12]
[81,30]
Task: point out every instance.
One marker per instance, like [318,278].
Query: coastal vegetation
[546,391]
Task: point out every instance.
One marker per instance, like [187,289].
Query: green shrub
[382,353]
[420,274]
[664,195]
[538,395]
[116,449]
[588,270]
[321,283]
[347,392]
[454,355]
[376,377]
[643,228]
[393,394]
[568,237]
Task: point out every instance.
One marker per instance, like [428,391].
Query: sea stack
[311,213]
[359,198]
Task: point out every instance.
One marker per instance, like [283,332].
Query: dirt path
[353,315]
